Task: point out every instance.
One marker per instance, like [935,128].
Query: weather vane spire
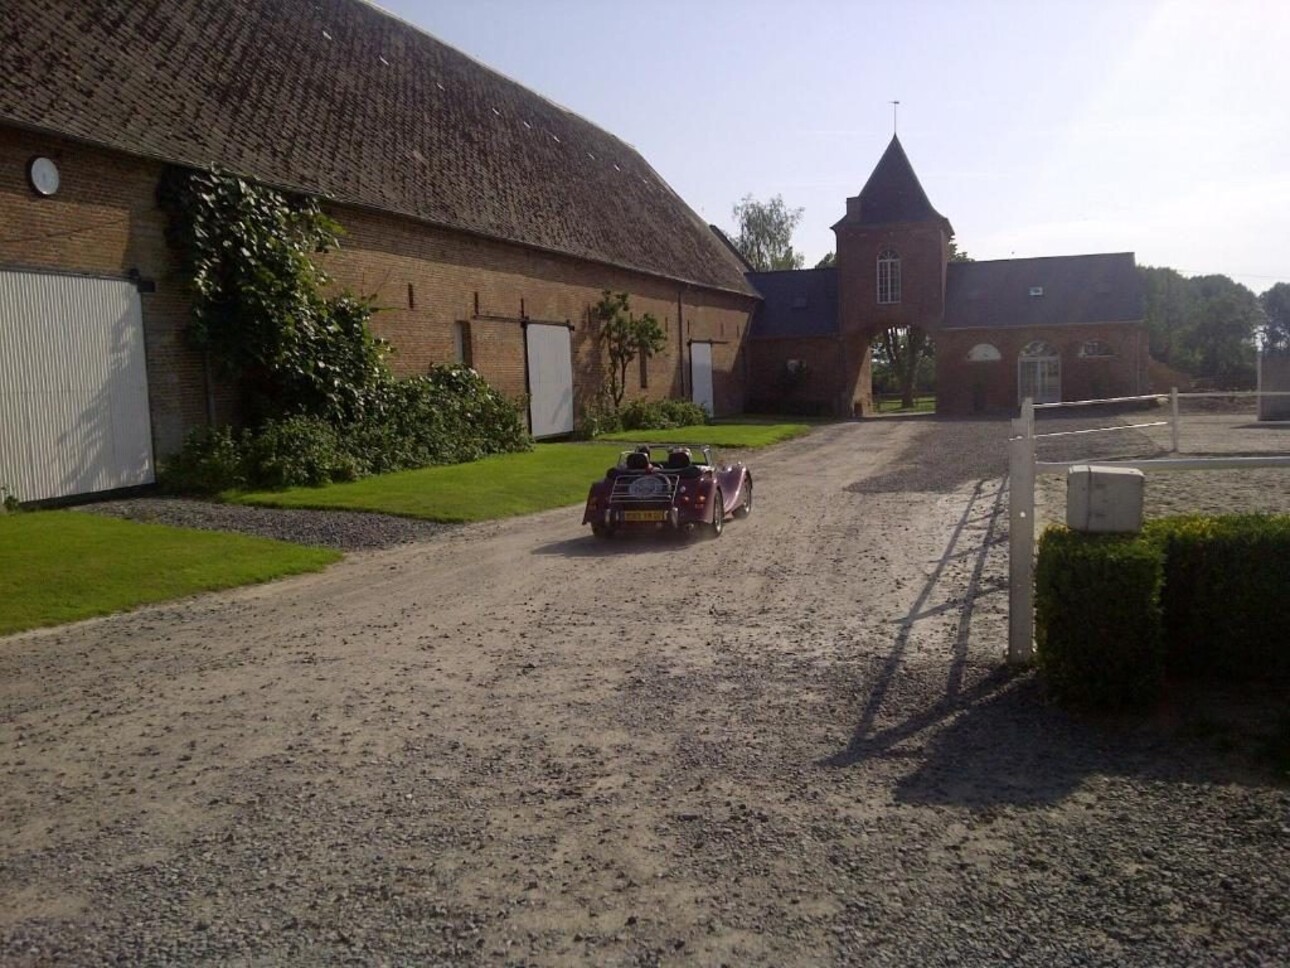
[895,109]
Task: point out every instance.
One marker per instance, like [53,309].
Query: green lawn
[742,433]
[892,405]
[550,476]
[61,566]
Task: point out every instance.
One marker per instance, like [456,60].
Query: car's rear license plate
[644,515]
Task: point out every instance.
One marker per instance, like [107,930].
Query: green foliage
[257,304]
[623,337]
[298,451]
[599,417]
[1204,326]
[829,261]
[210,461]
[1275,303]
[1097,618]
[662,415]
[765,233]
[1227,584]
[904,363]
[1192,595]
[449,416]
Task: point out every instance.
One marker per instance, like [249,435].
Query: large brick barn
[485,219]
[1059,328]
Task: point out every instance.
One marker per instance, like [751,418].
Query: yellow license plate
[644,515]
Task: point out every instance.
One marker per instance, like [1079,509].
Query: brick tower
[892,248]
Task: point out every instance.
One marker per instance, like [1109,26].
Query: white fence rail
[1022,470]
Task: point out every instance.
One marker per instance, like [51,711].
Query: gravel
[513,744]
[343,530]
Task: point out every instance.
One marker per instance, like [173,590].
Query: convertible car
[686,492]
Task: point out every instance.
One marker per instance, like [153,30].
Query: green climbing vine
[258,301]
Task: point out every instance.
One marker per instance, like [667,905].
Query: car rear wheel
[718,513]
[745,506]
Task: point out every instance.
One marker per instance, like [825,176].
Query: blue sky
[1037,128]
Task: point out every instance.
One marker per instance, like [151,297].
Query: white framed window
[984,353]
[1095,349]
[888,277]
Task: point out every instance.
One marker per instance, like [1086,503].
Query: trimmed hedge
[450,416]
[1190,596]
[1227,595]
[602,418]
[1097,618]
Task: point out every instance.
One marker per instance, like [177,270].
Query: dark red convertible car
[685,492]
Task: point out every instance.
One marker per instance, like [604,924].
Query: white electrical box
[1104,499]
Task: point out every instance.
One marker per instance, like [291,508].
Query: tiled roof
[892,193]
[338,98]
[1056,291]
[795,302]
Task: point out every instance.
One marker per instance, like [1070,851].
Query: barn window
[888,277]
[984,353]
[461,342]
[1095,348]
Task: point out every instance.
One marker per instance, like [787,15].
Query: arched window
[984,353]
[1095,348]
[1038,350]
[888,277]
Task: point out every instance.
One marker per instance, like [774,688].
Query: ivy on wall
[258,299]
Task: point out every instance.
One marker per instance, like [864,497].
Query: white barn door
[550,369]
[701,375]
[73,386]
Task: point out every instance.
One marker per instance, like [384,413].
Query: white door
[550,363]
[701,375]
[73,386]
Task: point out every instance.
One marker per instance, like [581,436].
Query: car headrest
[676,461]
[638,462]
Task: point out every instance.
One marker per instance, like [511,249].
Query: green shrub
[298,452]
[661,415]
[1097,618]
[1226,595]
[449,416]
[210,461]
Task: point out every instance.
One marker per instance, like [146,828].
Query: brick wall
[104,220]
[964,387]
[819,389]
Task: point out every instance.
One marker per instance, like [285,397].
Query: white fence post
[1173,425]
[1021,536]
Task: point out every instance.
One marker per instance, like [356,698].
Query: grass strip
[549,476]
[742,434]
[62,566]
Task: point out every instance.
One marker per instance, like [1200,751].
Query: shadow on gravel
[588,546]
[985,504]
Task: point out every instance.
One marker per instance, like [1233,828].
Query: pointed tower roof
[892,193]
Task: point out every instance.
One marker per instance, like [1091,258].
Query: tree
[957,254]
[1276,310]
[624,337]
[902,351]
[765,236]
[1204,325]
[828,262]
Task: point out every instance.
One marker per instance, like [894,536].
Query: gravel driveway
[510,744]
